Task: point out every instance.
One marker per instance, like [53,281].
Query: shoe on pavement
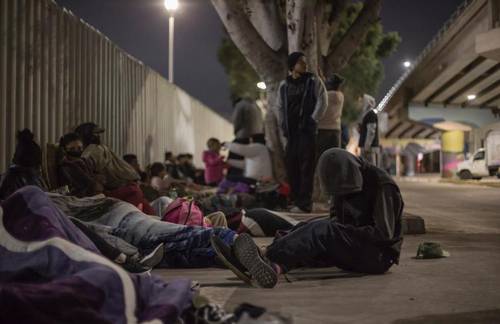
[226,256]
[152,259]
[261,269]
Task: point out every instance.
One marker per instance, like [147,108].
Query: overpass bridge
[458,70]
[453,87]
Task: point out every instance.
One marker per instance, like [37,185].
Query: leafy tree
[363,73]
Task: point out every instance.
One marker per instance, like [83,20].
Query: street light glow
[406,64]
[261,85]
[171,5]
[471,97]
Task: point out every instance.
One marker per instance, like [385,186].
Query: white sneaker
[152,259]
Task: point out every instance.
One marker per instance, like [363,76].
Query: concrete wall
[56,71]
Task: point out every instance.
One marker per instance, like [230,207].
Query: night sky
[141,28]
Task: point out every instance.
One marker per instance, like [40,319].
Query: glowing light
[471,97]
[261,85]
[406,64]
[171,5]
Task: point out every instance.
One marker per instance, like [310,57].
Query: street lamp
[171,6]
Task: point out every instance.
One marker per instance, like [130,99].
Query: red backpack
[185,212]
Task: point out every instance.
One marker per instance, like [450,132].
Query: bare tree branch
[270,65]
[354,37]
[265,17]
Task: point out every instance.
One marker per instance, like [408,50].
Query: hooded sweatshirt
[366,199]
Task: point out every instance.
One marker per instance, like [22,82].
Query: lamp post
[171,6]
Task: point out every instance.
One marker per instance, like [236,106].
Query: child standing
[214,163]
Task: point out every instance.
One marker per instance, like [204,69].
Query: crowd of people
[173,214]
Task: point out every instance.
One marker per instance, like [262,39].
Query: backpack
[184,212]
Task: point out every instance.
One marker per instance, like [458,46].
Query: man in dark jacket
[362,235]
[301,103]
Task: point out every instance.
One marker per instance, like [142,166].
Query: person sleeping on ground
[362,235]
[184,246]
[51,273]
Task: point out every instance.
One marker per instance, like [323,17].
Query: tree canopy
[363,73]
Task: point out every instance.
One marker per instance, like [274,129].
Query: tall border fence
[56,71]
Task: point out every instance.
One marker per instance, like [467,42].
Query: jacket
[313,107]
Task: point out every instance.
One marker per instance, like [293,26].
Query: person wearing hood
[119,179]
[368,131]
[363,233]
[25,169]
[247,121]
[75,171]
[302,102]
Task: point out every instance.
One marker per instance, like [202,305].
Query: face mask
[95,139]
[75,154]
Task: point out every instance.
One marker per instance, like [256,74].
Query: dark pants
[300,162]
[327,243]
[326,139]
[233,156]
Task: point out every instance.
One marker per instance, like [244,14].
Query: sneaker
[152,259]
[226,256]
[261,269]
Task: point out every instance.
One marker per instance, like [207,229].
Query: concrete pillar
[452,146]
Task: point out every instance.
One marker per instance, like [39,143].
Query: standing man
[329,126]
[301,104]
[368,131]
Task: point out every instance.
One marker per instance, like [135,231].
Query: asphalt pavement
[464,288]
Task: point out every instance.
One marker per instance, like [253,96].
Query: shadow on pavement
[487,316]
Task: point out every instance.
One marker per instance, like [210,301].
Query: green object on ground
[431,250]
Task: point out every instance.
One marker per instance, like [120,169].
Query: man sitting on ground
[120,180]
[74,171]
[362,235]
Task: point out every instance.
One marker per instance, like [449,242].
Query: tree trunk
[265,17]
[268,64]
[274,136]
[302,30]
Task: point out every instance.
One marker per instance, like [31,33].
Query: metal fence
[56,71]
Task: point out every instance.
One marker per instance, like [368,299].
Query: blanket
[51,273]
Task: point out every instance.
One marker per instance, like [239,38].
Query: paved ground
[464,288]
